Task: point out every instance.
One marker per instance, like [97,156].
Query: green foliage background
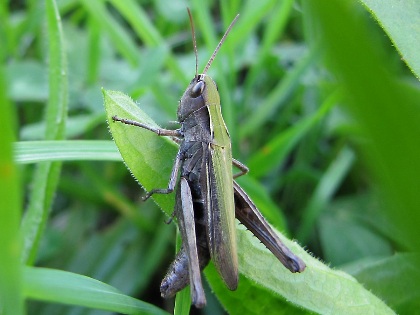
[321,101]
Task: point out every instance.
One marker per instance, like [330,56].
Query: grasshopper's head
[201,92]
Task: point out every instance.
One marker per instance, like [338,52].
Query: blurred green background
[321,100]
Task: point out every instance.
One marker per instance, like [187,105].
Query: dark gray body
[207,197]
[204,200]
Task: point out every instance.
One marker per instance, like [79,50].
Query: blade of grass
[328,184]
[145,30]
[122,41]
[251,15]
[27,152]
[279,95]
[141,23]
[5,30]
[11,300]
[46,175]
[275,151]
[94,51]
[273,30]
[69,288]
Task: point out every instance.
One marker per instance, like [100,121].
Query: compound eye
[197,89]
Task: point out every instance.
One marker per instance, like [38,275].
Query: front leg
[172,179]
[159,131]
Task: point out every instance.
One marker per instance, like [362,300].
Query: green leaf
[400,20]
[70,288]
[140,148]
[261,300]
[318,289]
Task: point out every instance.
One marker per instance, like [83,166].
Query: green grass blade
[273,31]
[251,14]
[327,186]
[279,94]
[276,150]
[94,52]
[122,41]
[47,174]
[141,23]
[148,33]
[11,300]
[183,302]
[69,288]
[27,152]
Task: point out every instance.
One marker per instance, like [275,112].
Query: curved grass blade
[69,288]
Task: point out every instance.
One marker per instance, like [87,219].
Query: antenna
[219,45]
[194,41]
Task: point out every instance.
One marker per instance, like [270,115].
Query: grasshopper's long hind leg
[247,213]
[185,214]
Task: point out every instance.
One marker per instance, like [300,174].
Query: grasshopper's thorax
[200,113]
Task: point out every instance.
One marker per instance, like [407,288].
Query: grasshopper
[207,197]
